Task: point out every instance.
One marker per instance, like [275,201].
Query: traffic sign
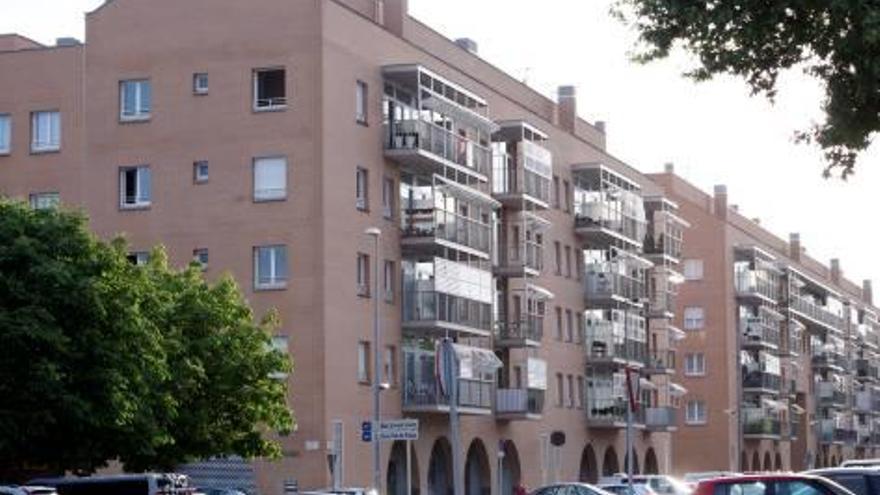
[367,431]
[399,429]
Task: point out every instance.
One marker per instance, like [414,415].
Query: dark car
[770,484]
[859,480]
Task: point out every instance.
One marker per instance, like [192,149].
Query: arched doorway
[651,466]
[440,468]
[477,478]
[610,467]
[511,474]
[395,480]
[635,458]
[778,462]
[756,461]
[589,472]
[743,462]
[768,463]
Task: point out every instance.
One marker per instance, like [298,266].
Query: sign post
[409,467]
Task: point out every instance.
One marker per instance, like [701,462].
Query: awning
[677,390]
[474,361]
[646,384]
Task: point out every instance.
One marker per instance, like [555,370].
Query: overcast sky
[714,132]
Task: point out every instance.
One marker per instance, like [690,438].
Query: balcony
[833,431]
[867,401]
[620,280]
[758,424]
[525,332]
[517,404]
[761,382]
[522,170]
[615,337]
[829,360]
[521,248]
[814,314]
[663,292]
[866,370]
[831,394]
[611,413]
[660,418]
[422,392]
[608,207]
[759,333]
[660,362]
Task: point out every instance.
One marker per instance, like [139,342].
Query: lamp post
[375,233]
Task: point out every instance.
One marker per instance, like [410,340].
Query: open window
[270,89]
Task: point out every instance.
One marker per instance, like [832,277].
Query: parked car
[770,484]
[27,490]
[129,484]
[342,491]
[570,489]
[661,484]
[624,489]
[691,479]
[859,480]
[861,463]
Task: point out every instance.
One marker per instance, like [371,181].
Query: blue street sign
[367,431]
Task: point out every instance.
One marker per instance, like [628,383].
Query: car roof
[760,477]
[843,470]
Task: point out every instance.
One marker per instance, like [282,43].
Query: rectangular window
[270,89]
[45,200]
[390,365]
[579,335]
[5,133]
[388,195]
[363,275]
[557,248]
[559,390]
[569,326]
[580,392]
[571,395]
[693,269]
[694,318]
[556,194]
[568,261]
[696,412]
[200,83]
[45,131]
[558,323]
[139,258]
[200,171]
[388,281]
[270,267]
[270,179]
[566,196]
[695,364]
[135,187]
[361,93]
[135,100]
[578,264]
[362,189]
[363,360]
[200,256]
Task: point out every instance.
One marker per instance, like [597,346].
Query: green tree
[834,41]
[102,360]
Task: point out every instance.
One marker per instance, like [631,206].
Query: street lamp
[375,233]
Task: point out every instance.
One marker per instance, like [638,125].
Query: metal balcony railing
[831,393]
[604,281]
[660,359]
[611,410]
[661,245]
[660,417]
[427,306]
[519,401]
[814,311]
[471,393]
[866,370]
[528,255]
[424,220]
[757,331]
[426,136]
[528,328]
[761,380]
[756,283]
[593,212]
[509,178]
[759,422]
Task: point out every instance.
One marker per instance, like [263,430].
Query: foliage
[104,360]
[835,41]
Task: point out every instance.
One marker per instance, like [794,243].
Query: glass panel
[146,97]
[145,185]
[270,178]
[129,99]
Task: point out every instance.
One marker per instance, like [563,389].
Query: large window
[560,400]
[135,100]
[270,267]
[363,275]
[270,89]
[135,187]
[362,189]
[693,269]
[694,318]
[5,133]
[388,280]
[696,412]
[695,364]
[45,200]
[571,394]
[270,179]
[390,365]
[361,102]
[388,195]
[363,361]
[45,131]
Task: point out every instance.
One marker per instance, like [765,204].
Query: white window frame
[141,111]
[363,362]
[560,390]
[45,135]
[262,195]
[141,258]
[273,104]
[198,176]
[698,415]
[362,276]
[362,189]
[388,276]
[142,198]
[44,200]
[361,96]
[5,134]
[388,197]
[389,365]
[201,83]
[693,269]
[691,320]
[695,364]
[277,280]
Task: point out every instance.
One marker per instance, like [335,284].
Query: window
[388,281]
[388,195]
[556,201]
[135,187]
[559,391]
[270,267]
[362,188]
[695,364]
[856,483]
[566,196]
[696,412]
[363,360]
[5,133]
[694,318]
[200,83]
[139,258]
[571,402]
[558,251]
[270,89]
[693,269]
[579,335]
[558,323]
[390,365]
[135,100]
[580,392]
[569,326]
[748,488]
[270,179]
[45,131]
[363,275]
[45,201]
[280,343]
[200,172]
[578,264]
[200,256]
[361,93]
[568,261]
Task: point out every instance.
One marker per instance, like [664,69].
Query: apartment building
[264,138]
[780,352]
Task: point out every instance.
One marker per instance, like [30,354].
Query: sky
[714,132]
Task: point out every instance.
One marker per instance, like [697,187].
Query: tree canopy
[834,41]
[103,360]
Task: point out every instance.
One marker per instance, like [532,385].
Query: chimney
[721,201]
[602,126]
[867,292]
[567,107]
[836,273]
[467,44]
[60,42]
[794,246]
[669,168]
[393,15]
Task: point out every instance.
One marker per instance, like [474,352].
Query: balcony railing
[660,417]
[758,422]
[519,402]
[825,359]
[431,306]
[431,138]
[867,401]
[761,380]
[607,340]
[471,393]
[865,370]
[831,431]
[424,220]
[831,394]
[662,246]
[508,178]
[611,280]
[755,283]
[528,328]
[611,412]
[759,332]
[660,360]
[530,255]
[815,312]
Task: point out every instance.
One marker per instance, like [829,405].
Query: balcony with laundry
[761,373]
[608,207]
[521,244]
[522,392]
[814,304]
[522,169]
[435,126]
[607,403]
[522,316]
[615,338]
[615,278]
[759,327]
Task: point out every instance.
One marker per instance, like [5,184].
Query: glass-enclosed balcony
[867,401]
[435,126]
[814,304]
[867,370]
[835,430]
[760,423]
[665,234]
[660,361]
[663,291]
[756,276]
[828,354]
[608,207]
[521,245]
[615,277]
[615,337]
[756,284]
[792,338]
[423,392]
[762,382]
[761,373]
[611,413]
[522,169]
[660,418]
[519,403]
[441,296]
[438,213]
[759,328]
[831,393]
[522,320]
